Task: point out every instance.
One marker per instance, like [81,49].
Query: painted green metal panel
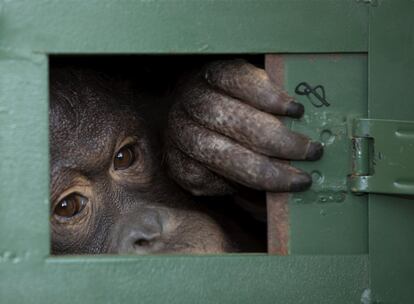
[203,279]
[27,275]
[391,218]
[328,219]
[24,166]
[30,29]
[183,26]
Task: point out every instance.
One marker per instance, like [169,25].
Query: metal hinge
[383,156]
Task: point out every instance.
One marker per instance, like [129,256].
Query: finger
[252,85]
[255,129]
[193,176]
[231,160]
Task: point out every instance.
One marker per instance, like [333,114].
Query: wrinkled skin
[222,131]
[109,189]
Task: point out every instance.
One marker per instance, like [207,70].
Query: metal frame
[31,30]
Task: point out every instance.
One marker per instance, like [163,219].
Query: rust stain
[277,203]
[277,223]
[274,66]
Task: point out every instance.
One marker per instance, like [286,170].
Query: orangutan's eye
[124,158]
[70,205]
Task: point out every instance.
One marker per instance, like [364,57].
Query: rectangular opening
[120,183]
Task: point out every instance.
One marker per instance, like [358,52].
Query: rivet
[327,137]
[317,176]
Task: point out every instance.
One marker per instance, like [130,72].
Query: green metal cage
[343,248]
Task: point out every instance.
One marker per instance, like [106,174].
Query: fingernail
[300,182]
[315,151]
[295,109]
